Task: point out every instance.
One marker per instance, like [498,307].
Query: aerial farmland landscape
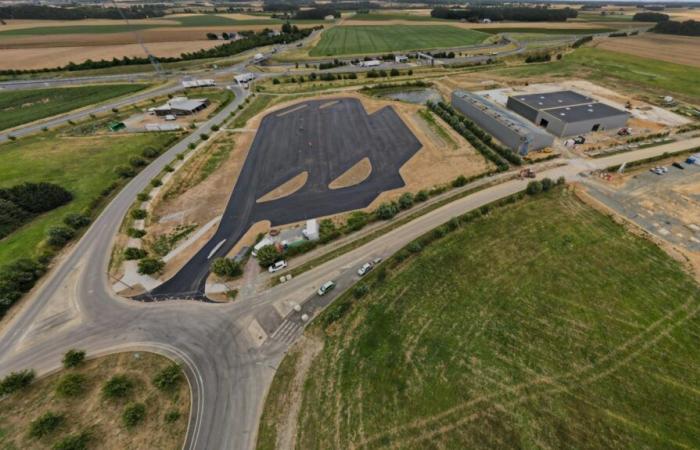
[288,224]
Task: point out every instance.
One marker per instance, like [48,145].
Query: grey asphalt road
[323,138]
[229,371]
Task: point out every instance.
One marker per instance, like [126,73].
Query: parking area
[666,204]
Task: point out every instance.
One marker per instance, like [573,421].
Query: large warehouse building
[567,113]
[512,130]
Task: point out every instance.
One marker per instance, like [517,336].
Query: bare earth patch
[90,411]
[287,188]
[354,175]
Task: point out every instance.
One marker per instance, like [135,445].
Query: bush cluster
[226,267]
[16,381]
[168,378]
[73,358]
[119,386]
[19,204]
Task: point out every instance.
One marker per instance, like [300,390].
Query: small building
[273,33]
[370,63]
[181,106]
[198,83]
[259,57]
[399,59]
[485,20]
[512,130]
[244,78]
[329,18]
[567,113]
[310,232]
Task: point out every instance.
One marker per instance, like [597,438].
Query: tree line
[650,17]
[253,40]
[687,28]
[19,204]
[42,12]
[520,14]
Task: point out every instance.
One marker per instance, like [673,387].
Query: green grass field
[352,40]
[620,71]
[542,325]
[83,165]
[395,16]
[18,107]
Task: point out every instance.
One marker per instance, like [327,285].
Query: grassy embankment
[357,40]
[18,107]
[87,411]
[619,70]
[83,165]
[542,324]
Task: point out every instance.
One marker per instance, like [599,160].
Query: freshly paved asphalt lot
[324,138]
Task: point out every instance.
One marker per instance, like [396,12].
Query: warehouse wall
[508,137]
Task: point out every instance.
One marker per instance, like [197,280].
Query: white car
[325,288]
[279,265]
[366,267]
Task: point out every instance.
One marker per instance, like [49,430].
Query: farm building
[181,106]
[567,113]
[512,130]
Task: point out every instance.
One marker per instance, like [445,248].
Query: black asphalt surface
[324,138]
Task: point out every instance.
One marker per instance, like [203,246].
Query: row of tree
[19,204]
[687,28]
[517,13]
[44,12]
[650,17]
[253,40]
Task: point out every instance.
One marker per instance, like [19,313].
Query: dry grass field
[664,47]
[88,411]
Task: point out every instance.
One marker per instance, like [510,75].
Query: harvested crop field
[664,47]
[37,58]
[568,333]
[349,40]
[85,410]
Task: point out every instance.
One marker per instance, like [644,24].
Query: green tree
[387,211]
[119,386]
[226,267]
[131,253]
[76,220]
[59,236]
[268,255]
[16,381]
[406,200]
[149,266]
[78,441]
[71,385]
[45,424]
[534,187]
[168,378]
[133,414]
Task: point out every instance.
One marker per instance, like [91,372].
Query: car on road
[678,165]
[366,267]
[325,288]
[279,265]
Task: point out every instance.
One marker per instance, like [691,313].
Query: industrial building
[512,130]
[181,106]
[567,113]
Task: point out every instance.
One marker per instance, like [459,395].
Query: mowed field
[664,47]
[351,40]
[544,324]
[19,107]
[83,165]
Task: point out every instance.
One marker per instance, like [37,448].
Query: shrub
[76,220]
[191,146]
[138,214]
[406,200]
[214,128]
[156,182]
[73,358]
[77,441]
[394,72]
[386,211]
[561,181]
[119,386]
[142,197]
[16,381]
[133,414]
[131,253]
[381,274]
[414,247]
[135,233]
[547,184]
[534,187]
[204,136]
[268,255]
[226,267]
[459,181]
[168,378]
[124,171]
[45,424]
[59,236]
[357,220]
[169,168]
[150,152]
[149,266]
[172,416]
[137,161]
[327,231]
[421,196]
[71,385]
[360,291]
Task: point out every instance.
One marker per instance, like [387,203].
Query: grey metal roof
[586,111]
[183,104]
[553,99]
[511,120]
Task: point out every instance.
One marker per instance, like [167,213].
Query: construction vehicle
[624,132]
[527,173]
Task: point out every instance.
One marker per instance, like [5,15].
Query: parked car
[678,165]
[326,288]
[579,140]
[366,267]
[279,265]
